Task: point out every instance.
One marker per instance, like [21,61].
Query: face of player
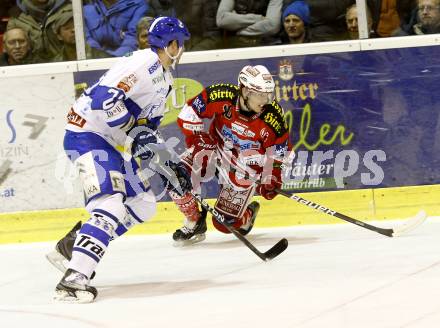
[255,101]
[429,12]
[294,26]
[16,44]
[66,33]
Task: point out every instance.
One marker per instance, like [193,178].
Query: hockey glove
[203,142]
[270,183]
[180,179]
[141,141]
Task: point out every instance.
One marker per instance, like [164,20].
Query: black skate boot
[187,236]
[62,254]
[254,207]
[74,288]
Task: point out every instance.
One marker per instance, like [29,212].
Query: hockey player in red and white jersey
[247,133]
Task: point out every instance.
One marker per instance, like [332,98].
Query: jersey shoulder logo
[198,104]
[274,118]
[222,92]
[153,67]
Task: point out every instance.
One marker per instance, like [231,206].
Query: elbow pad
[119,117]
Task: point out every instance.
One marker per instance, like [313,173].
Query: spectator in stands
[110,25]
[162,8]
[425,20]
[198,15]
[17,48]
[351,18]
[36,19]
[327,19]
[388,15]
[200,18]
[249,23]
[142,28]
[296,19]
[65,31]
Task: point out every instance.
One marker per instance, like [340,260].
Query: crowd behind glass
[40,31]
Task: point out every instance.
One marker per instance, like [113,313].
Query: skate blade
[80,297]
[58,261]
[194,240]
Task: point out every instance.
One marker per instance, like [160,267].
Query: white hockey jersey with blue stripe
[134,90]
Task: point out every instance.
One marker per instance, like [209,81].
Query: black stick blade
[277,249]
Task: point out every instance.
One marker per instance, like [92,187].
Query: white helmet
[257,78]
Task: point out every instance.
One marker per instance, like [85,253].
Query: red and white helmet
[257,78]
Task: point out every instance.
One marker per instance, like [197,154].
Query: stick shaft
[326,210]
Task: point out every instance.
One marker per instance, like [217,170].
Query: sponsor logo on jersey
[150,111]
[153,67]
[281,149]
[242,130]
[243,144]
[273,121]
[193,127]
[74,119]
[227,111]
[117,109]
[215,95]
[158,79]
[127,82]
[164,91]
[256,159]
[264,134]
[199,104]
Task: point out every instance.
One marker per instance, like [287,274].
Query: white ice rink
[338,276]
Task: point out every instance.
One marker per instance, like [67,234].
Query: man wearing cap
[296,19]
[65,31]
[36,19]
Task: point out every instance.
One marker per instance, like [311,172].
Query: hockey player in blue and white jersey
[131,96]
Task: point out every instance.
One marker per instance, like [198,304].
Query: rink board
[366,204]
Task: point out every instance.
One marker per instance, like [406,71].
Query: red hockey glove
[203,142]
[270,183]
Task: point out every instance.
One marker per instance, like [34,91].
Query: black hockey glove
[141,141]
[178,182]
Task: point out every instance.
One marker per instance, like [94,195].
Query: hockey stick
[409,225]
[273,252]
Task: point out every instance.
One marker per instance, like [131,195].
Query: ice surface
[338,276]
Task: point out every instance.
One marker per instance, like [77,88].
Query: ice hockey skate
[191,233]
[62,254]
[254,207]
[63,249]
[74,288]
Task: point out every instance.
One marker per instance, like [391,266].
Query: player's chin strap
[173,58]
